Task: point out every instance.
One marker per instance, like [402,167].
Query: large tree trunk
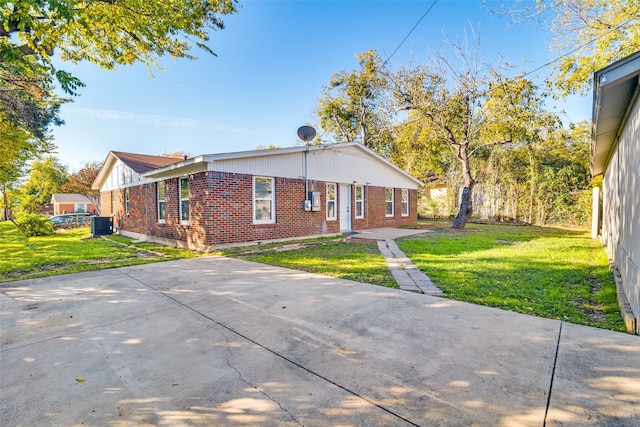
[466,208]
[466,200]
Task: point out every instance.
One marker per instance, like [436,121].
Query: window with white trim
[331,202]
[162,207]
[359,196]
[126,201]
[404,200]
[184,200]
[264,206]
[388,201]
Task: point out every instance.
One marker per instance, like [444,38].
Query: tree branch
[506,141]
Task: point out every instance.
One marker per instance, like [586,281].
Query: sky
[273,59]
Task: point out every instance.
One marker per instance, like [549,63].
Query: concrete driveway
[217,341]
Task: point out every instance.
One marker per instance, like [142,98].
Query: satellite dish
[306,133]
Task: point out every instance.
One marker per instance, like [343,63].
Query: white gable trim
[119,176]
[346,163]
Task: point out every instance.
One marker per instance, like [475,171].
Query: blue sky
[274,56]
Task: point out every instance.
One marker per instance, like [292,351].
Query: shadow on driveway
[219,341]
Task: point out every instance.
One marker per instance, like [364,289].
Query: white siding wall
[121,176]
[335,164]
[286,166]
[621,211]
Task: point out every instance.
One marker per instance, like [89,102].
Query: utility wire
[409,33]
[583,45]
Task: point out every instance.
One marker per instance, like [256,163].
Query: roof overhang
[206,162]
[615,90]
[104,171]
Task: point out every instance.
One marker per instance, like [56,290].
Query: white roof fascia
[207,162]
[107,165]
[608,98]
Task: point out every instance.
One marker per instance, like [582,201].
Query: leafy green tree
[81,183]
[45,178]
[107,33]
[591,33]
[563,177]
[545,181]
[471,108]
[354,107]
[17,146]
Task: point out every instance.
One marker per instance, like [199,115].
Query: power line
[564,55]
[409,33]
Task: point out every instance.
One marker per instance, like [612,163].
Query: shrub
[34,224]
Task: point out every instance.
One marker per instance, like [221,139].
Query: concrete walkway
[408,276]
[223,342]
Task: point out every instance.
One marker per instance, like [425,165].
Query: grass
[71,251]
[547,272]
[361,262]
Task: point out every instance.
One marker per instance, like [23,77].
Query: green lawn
[70,251]
[554,273]
[547,272]
[361,262]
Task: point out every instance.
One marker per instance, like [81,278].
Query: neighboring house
[215,200]
[615,154]
[434,197]
[71,203]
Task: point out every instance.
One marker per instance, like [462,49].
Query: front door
[345,207]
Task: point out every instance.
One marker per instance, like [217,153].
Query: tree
[80,183]
[177,154]
[470,108]
[353,106]
[544,181]
[107,33]
[28,102]
[25,116]
[104,32]
[592,34]
[45,178]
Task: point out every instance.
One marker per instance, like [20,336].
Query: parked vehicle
[71,220]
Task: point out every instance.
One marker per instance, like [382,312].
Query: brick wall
[221,211]
[375,209]
[225,212]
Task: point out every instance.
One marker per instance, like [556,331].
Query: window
[184,200]
[331,201]
[264,208]
[80,207]
[388,201]
[404,199]
[113,202]
[162,210]
[359,201]
[126,201]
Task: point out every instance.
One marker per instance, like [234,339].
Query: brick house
[71,203]
[217,200]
